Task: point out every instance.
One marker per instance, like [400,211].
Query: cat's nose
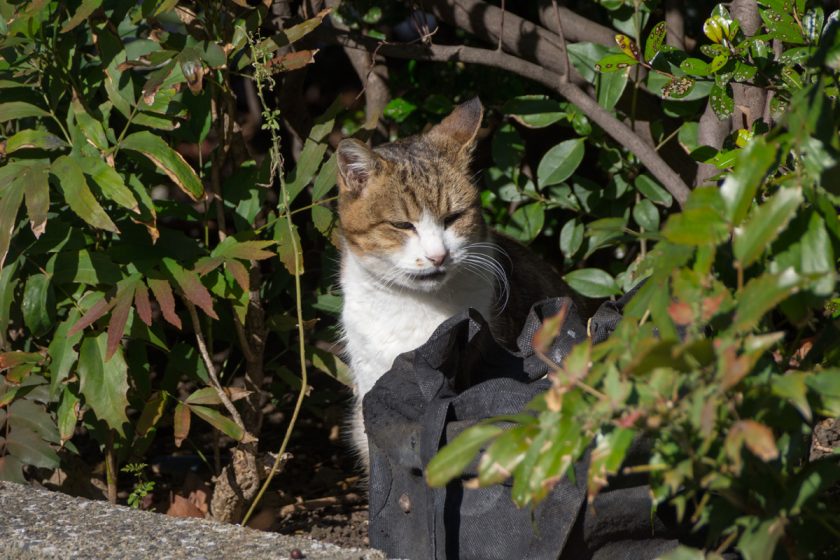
[438,258]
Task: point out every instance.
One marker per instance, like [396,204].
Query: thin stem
[111,468]
[277,168]
[211,368]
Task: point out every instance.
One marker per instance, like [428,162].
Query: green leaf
[765,224]
[678,87]
[695,67]
[560,162]
[655,40]
[507,148]
[526,222]
[68,415]
[571,237]
[696,226]
[325,181]
[28,447]
[651,189]
[782,26]
[152,413]
[451,461]
[721,101]
[288,243]
[615,62]
[34,138]
[38,305]
[646,215]
[310,159]
[219,421]
[37,197]
[792,387]
[503,456]
[534,111]
[19,110]
[610,87]
[62,353]
[167,160]
[91,128]
[12,196]
[592,282]
[762,294]
[11,469]
[72,181]
[109,181]
[399,109]
[740,187]
[231,248]
[758,542]
[83,12]
[607,457]
[817,256]
[104,385]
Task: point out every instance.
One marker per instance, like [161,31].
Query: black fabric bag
[459,377]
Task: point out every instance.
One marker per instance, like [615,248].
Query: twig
[619,131]
[565,53]
[211,368]
[501,27]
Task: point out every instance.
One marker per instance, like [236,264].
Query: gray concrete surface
[37,524]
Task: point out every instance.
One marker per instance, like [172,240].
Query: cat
[416,251]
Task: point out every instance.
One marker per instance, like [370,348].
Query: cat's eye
[451,218]
[402,225]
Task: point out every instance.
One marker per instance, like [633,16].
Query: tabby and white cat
[416,251]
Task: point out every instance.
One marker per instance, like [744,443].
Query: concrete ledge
[37,524]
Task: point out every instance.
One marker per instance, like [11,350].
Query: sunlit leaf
[451,461]
[167,160]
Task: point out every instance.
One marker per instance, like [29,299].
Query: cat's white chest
[381,323]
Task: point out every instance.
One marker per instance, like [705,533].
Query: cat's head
[409,210]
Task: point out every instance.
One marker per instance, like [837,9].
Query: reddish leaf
[12,359]
[207,264]
[191,286]
[99,309]
[182,507]
[548,331]
[163,295]
[293,60]
[119,316]
[757,437]
[681,313]
[142,303]
[239,273]
[181,423]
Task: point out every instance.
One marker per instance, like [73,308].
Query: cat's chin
[428,281]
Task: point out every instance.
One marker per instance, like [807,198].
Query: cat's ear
[355,165]
[461,126]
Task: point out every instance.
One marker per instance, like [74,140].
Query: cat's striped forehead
[418,177]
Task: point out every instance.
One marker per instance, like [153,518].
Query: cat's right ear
[355,165]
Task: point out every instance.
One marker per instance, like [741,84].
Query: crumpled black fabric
[459,377]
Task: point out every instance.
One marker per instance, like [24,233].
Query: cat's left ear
[356,164]
[461,126]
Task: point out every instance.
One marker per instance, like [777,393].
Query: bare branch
[565,53]
[619,131]
[374,77]
[576,28]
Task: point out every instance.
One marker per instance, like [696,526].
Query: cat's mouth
[428,275]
